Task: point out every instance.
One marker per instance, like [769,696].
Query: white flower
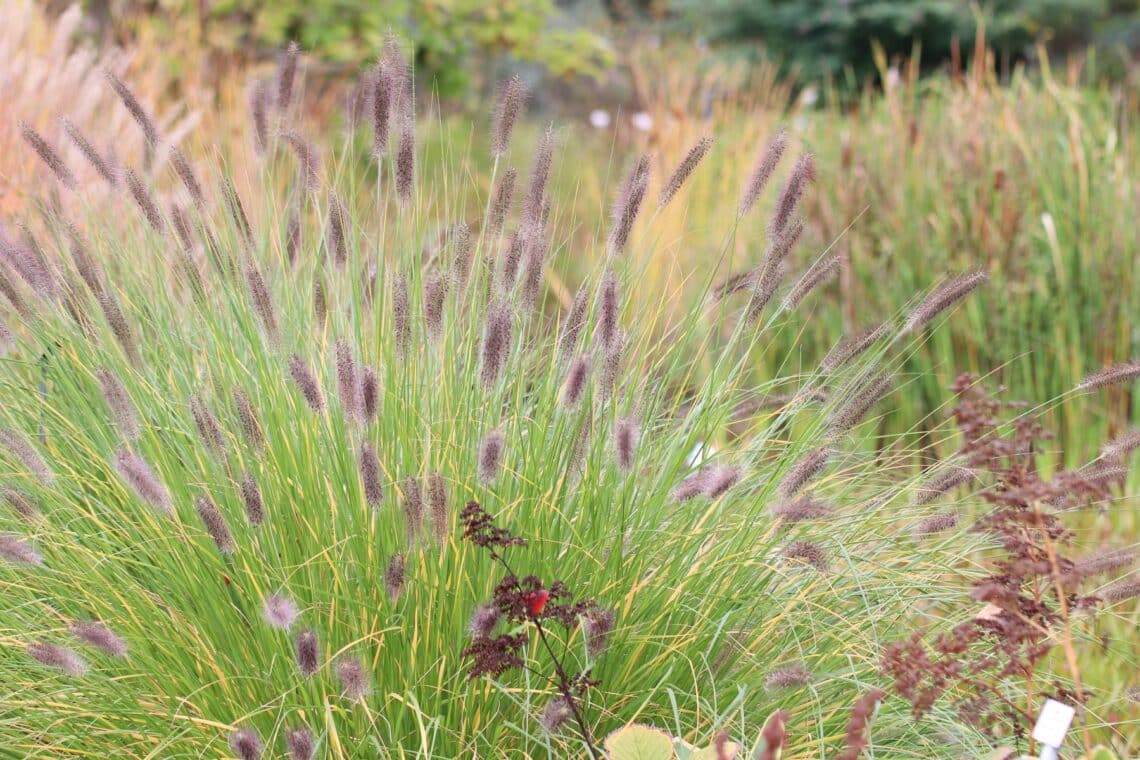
[641,121]
[280,612]
[599,118]
[700,454]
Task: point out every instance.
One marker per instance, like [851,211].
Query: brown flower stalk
[762,171]
[683,171]
[49,156]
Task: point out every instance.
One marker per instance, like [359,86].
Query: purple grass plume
[628,204]
[406,162]
[576,379]
[597,625]
[337,231]
[307,383]
[17,551]
[246,744]
[819,272]
[10,291]
[320,303]
[353,678]
[140,114]
[626,434]
[236,210]
[556,715]
[508,105]
[59,658]
[308,652]
[608,314]
[413,506]
[30,262]
[187,176]
[764,286]
[301,744]
[382,86]
[535,246]
[22,503]
[1104,562]
[247,418]
[684,170]
[512,256]
[691,487]
[501,202]
[719,479]
[762,171]
[868,394]
[437,504]
[286,76]
[803,173]
[251,498]
[209,430]
[435,293]
[942,298]
[145,201]
[308,160]
[491,455]
[259,98]
[483,621]
[1121,591]
[394,576]
[142,480]
[346,380]
[370,475]
[789,677]
[1125,372]
[19,447]
[573,324]
[102,165]
[496,344]
[120,328]
[99,636]
[943,483]
[369,393]
[401,325]
[119,403]
[535,196]
[215,524]
[87,267]
[293,236]
[49,156]
[937,523]
[808,553]
[803,471]
[1122,445]
[800,509]
[280,611]
[851,348]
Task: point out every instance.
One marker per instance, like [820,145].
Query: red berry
[536,601]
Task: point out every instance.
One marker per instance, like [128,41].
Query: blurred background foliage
[814,39]
[830,38]
[450,37]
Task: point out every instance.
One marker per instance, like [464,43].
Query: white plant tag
[1053,723]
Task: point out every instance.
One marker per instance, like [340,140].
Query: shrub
[447,36]
[241,419]
[831,37]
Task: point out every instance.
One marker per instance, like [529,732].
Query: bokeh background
[949,135]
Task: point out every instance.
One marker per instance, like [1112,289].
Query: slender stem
[564,686]
[563,680]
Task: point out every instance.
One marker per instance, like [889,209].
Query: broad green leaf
[639,742]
